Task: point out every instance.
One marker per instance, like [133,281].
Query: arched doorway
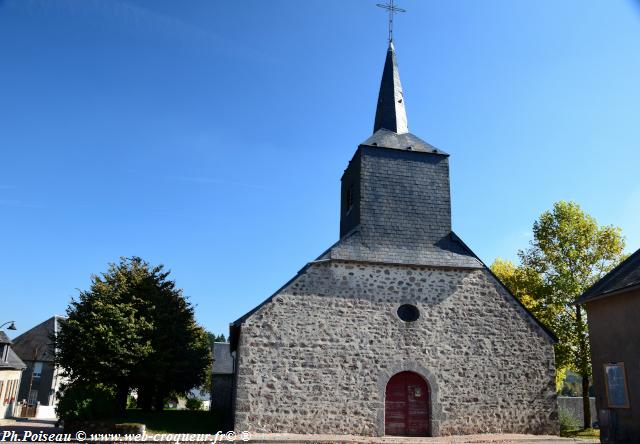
[406,405]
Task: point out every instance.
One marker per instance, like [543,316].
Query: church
[398,328]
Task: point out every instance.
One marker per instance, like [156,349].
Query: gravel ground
[22,425]
[466,439]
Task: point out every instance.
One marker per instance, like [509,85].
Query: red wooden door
[406,405]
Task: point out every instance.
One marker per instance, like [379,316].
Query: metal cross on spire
[393,9]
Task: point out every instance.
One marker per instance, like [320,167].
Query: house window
[4,352]
[615,382]
[37,370]
[9,395]
[33,397]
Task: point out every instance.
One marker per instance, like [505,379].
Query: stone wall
[316,359]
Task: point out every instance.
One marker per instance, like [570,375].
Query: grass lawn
[581,433]
[174,421]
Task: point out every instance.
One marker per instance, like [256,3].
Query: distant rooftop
[36,344]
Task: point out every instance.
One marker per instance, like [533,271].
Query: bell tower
[395,197]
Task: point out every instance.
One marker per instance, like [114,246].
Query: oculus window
[408,313]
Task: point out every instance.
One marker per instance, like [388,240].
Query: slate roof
[385,138]
[625,276]
[13,362]
[4,339]
[390,111]
[449,251]
[37,339]
[222,359]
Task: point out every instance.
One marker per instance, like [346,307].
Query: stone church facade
[398,328]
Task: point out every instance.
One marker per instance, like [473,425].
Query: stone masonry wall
[317,358]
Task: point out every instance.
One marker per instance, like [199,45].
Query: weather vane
[393,9]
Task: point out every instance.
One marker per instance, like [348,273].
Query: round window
[408,313]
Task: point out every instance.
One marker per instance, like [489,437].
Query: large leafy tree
[133,329]
[569,253]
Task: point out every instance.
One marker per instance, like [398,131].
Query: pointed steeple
[390,113]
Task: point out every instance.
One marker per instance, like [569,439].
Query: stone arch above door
[436,416]
[407,405]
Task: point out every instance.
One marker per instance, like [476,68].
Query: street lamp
[12,325]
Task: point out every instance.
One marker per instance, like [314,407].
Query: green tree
[215,338]
[102,340]
[194,404]
[569,253]
[181,357]
[133,329]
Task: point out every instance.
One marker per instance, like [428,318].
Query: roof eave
[596,297]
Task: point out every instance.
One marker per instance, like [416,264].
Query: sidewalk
[466,439]
[33,425]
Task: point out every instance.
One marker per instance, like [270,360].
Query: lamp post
[12,325]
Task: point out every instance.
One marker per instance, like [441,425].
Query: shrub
[82,402]
[132,402]
[193,404]
[567,421]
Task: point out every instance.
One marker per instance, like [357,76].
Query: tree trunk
[145,399]
[584,367]
[586,405]
[121,397]
[158,402]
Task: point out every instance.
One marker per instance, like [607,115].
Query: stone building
[398,328]
[11,368]
[613,306]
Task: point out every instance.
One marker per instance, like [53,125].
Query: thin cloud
[129,16]
[20,204]
[212,181]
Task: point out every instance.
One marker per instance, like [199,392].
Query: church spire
[390,113]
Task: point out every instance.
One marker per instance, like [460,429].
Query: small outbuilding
[613,310]
[11,368]
[222,380]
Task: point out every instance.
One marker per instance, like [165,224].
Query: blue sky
[210,135]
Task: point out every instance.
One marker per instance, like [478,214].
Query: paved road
[33,425]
